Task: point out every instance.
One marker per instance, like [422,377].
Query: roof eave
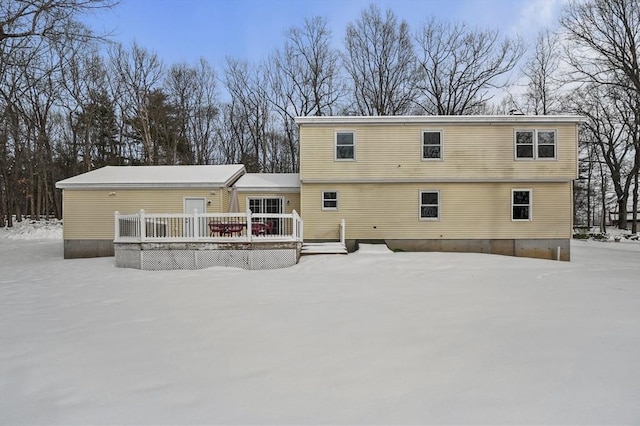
[441,119]
[139,185]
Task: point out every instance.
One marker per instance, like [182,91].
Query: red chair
[260,229]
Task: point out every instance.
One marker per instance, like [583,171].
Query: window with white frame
[535,144]
[345,145]
[546,143]
[329,200]
[432,145]
[521,204]
[429,205]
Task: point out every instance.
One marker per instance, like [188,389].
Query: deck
[202,240]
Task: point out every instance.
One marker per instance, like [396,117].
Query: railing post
[249,233]
[116,231]
[294,224]
[342,232]
[143,226]
[196,224]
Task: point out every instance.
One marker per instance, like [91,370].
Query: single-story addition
[182,217]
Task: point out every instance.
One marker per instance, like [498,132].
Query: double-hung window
[345,146]
[429,205]
[329,200]
[432,145]
[520,204]
[535,144]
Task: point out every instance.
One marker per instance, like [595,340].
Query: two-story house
[490,184]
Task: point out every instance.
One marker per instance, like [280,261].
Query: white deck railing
[178,227]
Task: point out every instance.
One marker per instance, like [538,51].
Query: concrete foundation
[535,248]
[167,256]
[74,249]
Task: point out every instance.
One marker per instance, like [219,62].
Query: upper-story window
[432,145]
[535,144]
[345,145]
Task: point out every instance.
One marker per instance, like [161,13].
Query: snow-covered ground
[369,338]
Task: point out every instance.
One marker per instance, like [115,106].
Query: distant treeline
[67,108]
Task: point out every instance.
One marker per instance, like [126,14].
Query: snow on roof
[289,182]
[155,177]
[440,119]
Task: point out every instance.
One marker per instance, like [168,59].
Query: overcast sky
[185,30]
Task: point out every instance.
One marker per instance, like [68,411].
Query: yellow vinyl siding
[394,151]
[467,211]
[293,198]
[89,214]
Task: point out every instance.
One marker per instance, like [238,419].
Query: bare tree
[611,127]
[249,114]
[606,41]
[379,58]
[459,66]
[303,79]
[137,73]
[542,96]
[49,19]
[605,36]
[193,92]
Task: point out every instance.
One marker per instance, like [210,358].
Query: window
[535,144]
[345,146]
[521,204]
[524,144]
[431,145]
[546,144]
[329,200]
[429,205]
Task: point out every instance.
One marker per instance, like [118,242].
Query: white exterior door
[191,227]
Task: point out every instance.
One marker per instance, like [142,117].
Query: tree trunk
[634,224]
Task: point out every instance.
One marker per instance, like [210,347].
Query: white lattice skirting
[156,260]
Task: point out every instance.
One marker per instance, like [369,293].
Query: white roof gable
[272,182]
[155,177]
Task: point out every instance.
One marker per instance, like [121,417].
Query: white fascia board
[122,185]
[435,180]
[288,189]
[441,119]
[233,178]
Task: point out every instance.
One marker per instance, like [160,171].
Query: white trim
[441,119]
[265,197]
[441,132]
[335,145]
[184,204]
[437,180]
[555,145]
[205,185]
[420,205]
[287,190]
[322,200]
[530,205]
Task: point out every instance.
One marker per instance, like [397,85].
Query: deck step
[323,248]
